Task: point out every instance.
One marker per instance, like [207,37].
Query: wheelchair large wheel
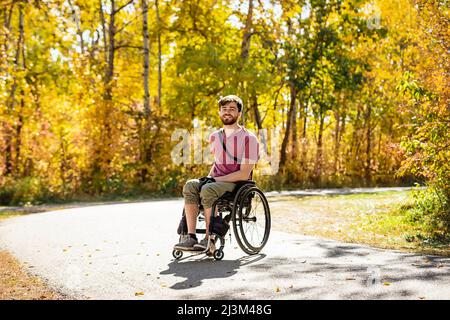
[251,221]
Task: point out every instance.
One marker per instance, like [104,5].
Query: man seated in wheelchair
[235,151]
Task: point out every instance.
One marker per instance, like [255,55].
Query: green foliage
[25,191]
[431,210]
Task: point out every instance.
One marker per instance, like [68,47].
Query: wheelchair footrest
[220,226]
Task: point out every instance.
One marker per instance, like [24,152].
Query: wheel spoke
[249,218]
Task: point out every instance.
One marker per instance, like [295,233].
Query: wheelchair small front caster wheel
[218,254]
[177,254]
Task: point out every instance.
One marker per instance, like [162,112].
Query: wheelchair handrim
[248,223]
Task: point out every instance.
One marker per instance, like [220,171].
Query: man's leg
[191,212]
[208,219]
[191,202]
[211,192]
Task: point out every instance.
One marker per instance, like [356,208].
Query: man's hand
[242,174]
[205,180]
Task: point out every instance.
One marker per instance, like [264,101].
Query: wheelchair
[246,209]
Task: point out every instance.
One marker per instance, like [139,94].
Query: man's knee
[191,186]
[210,192]
[190,191]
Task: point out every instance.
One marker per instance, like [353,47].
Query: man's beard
[228,120]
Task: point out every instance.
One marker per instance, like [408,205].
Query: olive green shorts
[210,192]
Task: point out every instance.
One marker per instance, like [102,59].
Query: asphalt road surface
[124,251]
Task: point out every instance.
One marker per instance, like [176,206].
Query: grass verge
[377,219]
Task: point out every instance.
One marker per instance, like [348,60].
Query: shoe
[202,244]
[188,244]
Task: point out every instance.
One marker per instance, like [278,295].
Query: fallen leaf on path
[350,279]
[139,293]
[386,283]
[277,289]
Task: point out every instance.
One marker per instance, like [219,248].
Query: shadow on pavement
[195,271]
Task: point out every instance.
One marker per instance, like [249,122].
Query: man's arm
[211,172]
[242,174]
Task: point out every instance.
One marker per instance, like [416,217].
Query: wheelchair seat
[230,195]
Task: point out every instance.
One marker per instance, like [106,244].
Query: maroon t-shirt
[242,144]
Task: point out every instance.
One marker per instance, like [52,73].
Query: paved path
[116,251]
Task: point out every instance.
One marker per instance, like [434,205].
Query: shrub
[29,190]
[432,211]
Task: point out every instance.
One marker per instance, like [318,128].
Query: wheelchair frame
[233,202]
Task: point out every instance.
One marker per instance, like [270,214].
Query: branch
[120,8]
[129,46]
[126,24]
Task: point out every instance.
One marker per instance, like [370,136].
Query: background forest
[91,92]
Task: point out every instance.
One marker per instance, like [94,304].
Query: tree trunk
[287,133]
[7,31]
[256,111]
[245,48]
[78,25]
[341,134]
[3,64]
[304,138]
[146,153]
[111,53]
[12,99]
[352,157]
[105,39]
[245,45]
[367,175]
[146,59]
[158,23]
[319,154]
[337,129]
[294,123]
